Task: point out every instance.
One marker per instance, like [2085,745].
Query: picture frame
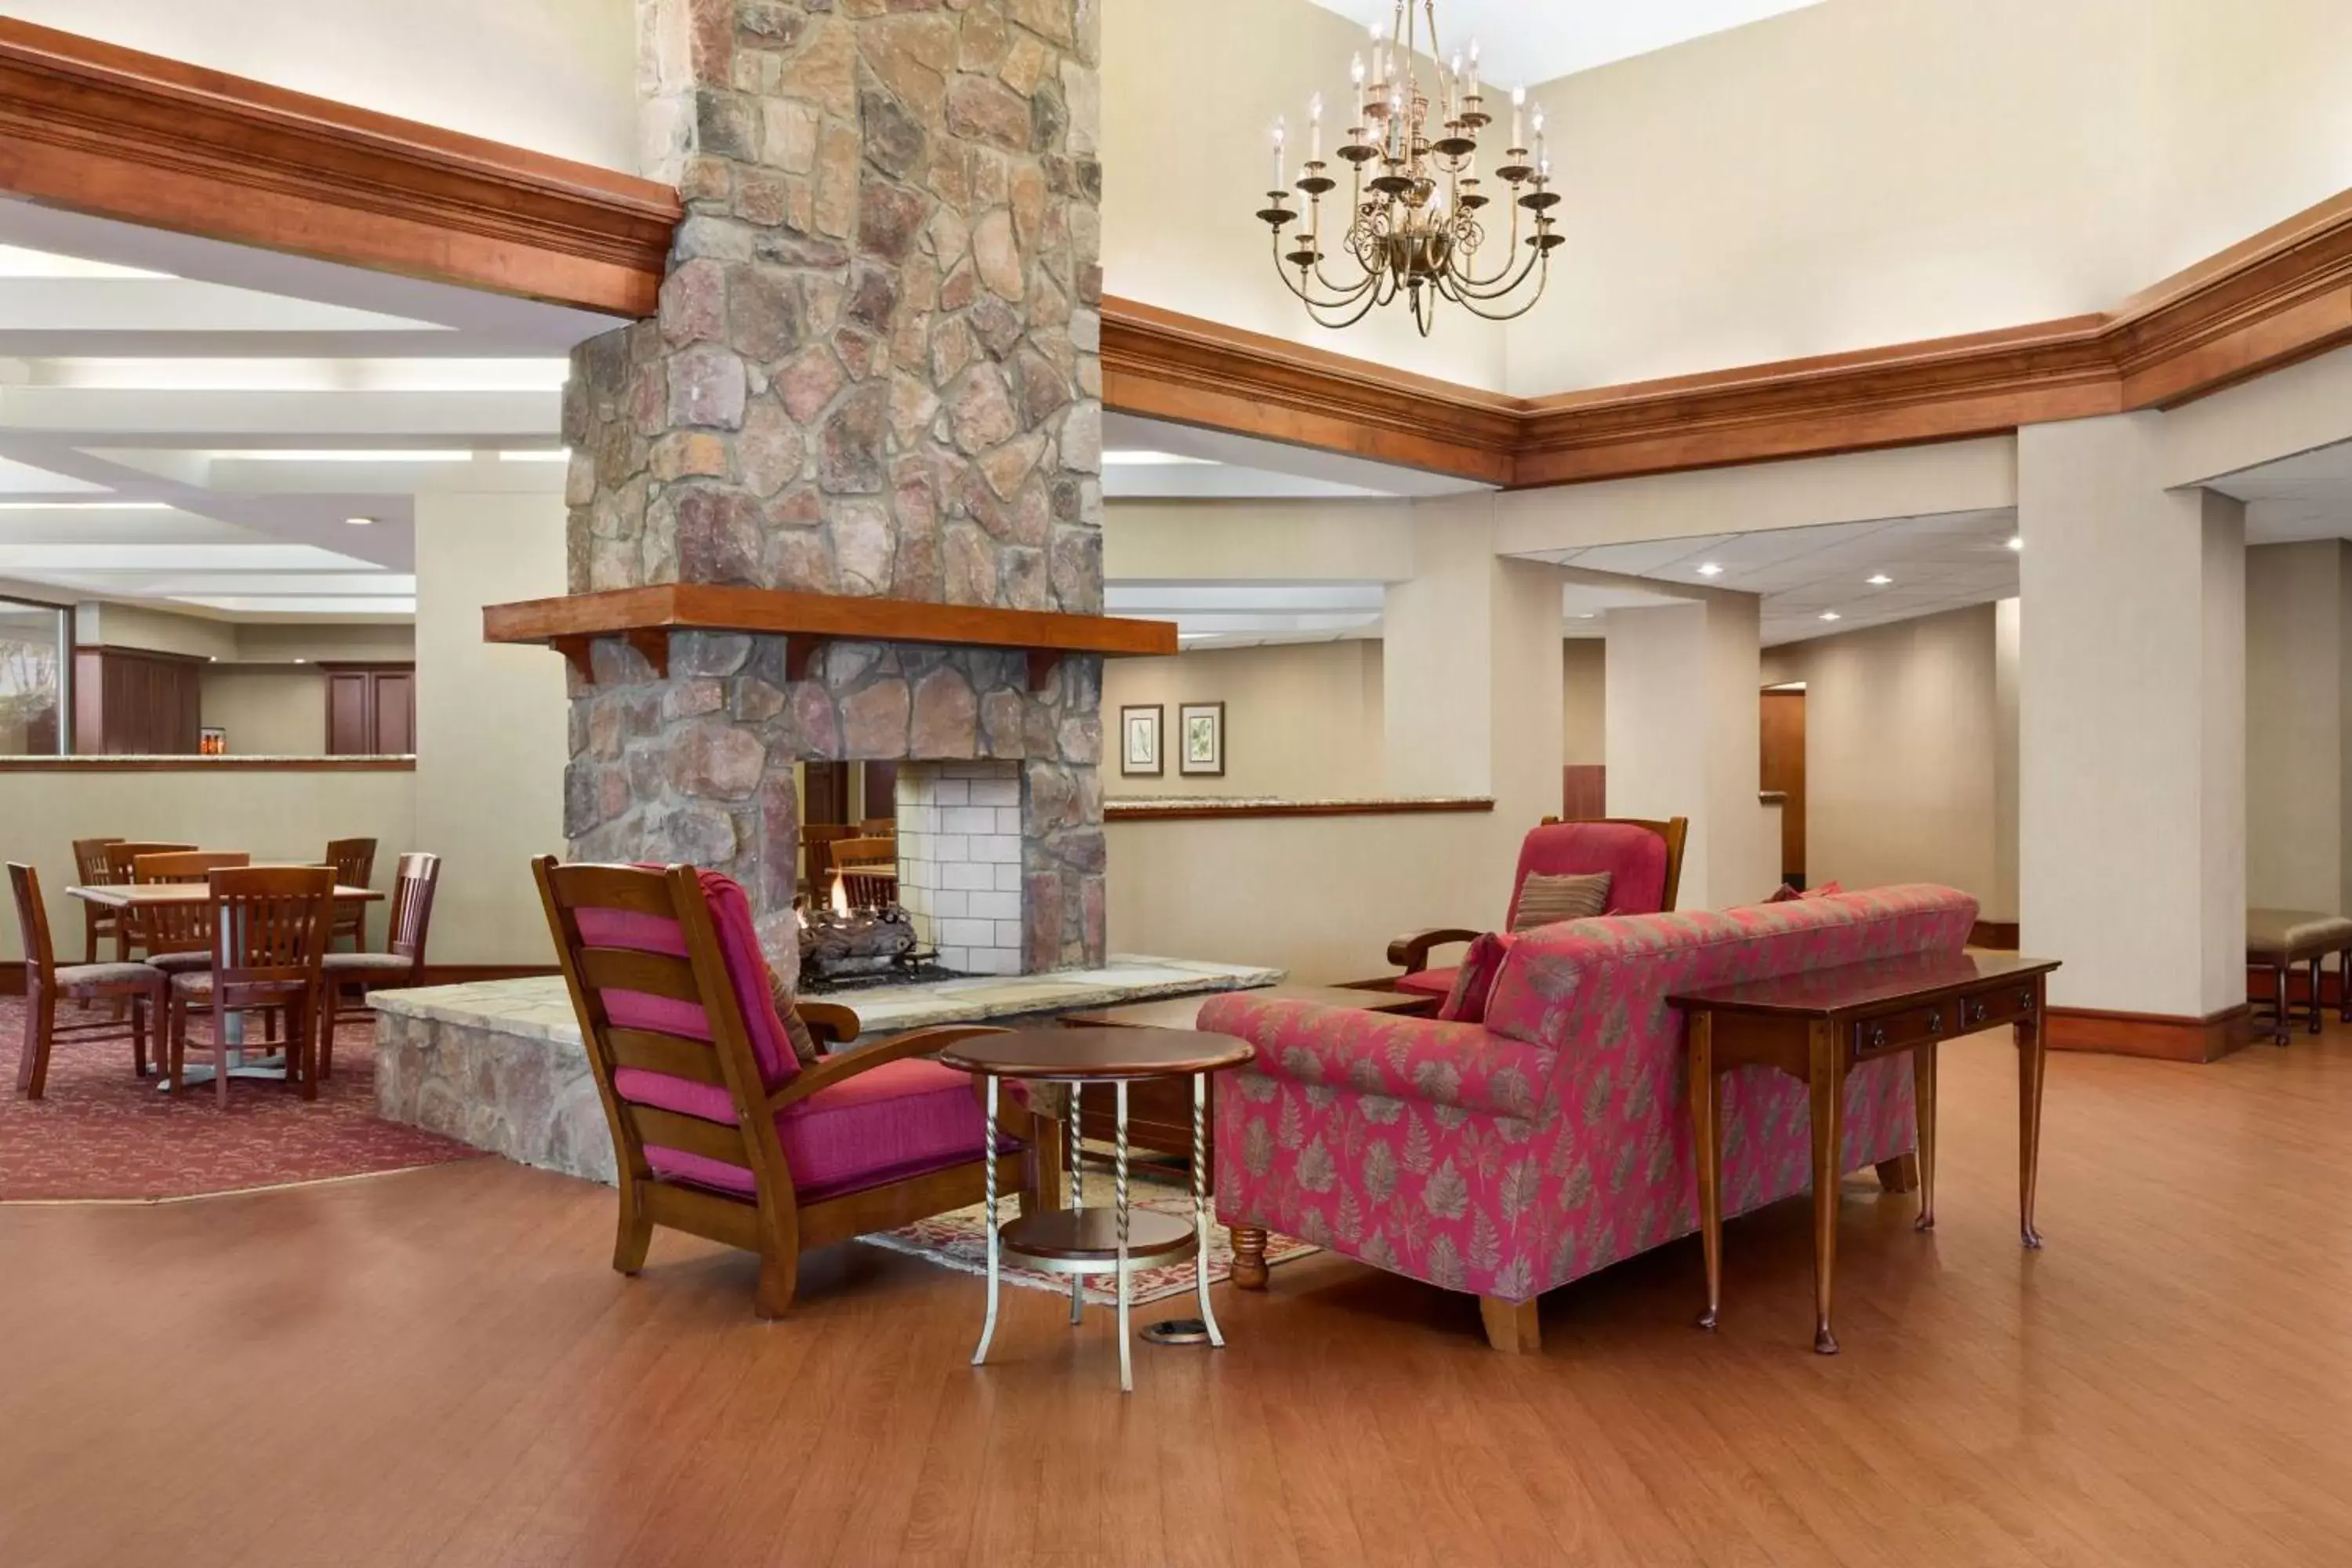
[1201,740]
[1140,754]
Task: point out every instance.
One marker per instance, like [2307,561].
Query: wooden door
[1783,755]
[392,700]
[826,790]
[350,724]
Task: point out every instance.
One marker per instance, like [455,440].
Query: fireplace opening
[931,892]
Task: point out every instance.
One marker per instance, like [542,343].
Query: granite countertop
[539,1007]
[1141,806]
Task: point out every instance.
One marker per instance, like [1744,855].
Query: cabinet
[370,710]
[134,702]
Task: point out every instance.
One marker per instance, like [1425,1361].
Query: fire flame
[840,897]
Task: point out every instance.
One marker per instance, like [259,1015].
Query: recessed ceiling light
[1146,459]
[538,454]
[1710,569]
[361,521]
[1831,615]
[1878,580]
[301,661]
[2017,541]
[1585,616]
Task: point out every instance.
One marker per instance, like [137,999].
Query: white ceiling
[191,424]
[1524,42]
[1153,460]
[1933,564]
[2307,496]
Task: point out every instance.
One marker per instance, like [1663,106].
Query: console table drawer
[1897,1031]
[1992,1009]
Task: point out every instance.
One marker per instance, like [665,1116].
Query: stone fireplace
[873,375]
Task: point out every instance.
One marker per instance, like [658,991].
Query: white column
[1471,669]
[490,742]
[2296,645]
[1683,726]
[2131,717]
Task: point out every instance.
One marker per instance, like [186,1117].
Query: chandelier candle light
[1415,226]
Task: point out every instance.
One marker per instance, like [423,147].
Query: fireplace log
[854,943]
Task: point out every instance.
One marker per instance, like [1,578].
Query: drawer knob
[1979,1010]
[1935,1024]
[1877,1036]
[2025,999]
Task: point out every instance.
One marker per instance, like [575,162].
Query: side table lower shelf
[1086,1241]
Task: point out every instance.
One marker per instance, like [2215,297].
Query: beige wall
[2298,647]
[136,626]
[1302,720]
[555,75]
[1584,702]
[272,815]
[1319,896]
[1902,741]
[274,712]
[491,722]
[1293,540]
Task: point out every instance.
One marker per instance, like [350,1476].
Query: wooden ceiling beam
[98,128]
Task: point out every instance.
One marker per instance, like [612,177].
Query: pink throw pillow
[1473,982]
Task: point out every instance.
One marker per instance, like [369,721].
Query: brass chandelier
[1416,212]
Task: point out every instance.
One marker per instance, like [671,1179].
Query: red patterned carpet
[100,1132]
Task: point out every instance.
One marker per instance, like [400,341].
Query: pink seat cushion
[1634,857]
[895,1121]
[1429,982]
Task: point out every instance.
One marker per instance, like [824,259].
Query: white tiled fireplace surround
[960,862]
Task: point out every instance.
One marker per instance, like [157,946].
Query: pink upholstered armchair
[720,1128]
[1643,859]
[1507,1158]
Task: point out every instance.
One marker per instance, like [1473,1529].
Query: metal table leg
[988,1164]
[1119,1193]
[1078,1200]
[1200,1204]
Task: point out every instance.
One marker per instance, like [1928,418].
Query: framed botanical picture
[1138,741]
[1200,739]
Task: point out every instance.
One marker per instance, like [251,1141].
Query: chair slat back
[353,861]
[654,996]
[33,919]
[870,871]
[181,928]
[90,861]
[414,885]
[124,854]
[878,827]
[269,924]
[817,839]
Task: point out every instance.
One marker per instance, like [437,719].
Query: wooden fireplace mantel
[644,617]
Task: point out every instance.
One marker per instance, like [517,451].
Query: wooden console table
[1819,1025]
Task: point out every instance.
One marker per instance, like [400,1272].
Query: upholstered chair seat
[181,962]
[74,977]
[399,965]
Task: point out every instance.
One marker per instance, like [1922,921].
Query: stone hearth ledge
[499,1064]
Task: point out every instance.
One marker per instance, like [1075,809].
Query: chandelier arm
[1544,276]
[1527,267]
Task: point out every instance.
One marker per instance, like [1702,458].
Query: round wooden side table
[1080,1241]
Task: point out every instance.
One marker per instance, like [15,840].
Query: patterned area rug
[958,1240]
[99,1133]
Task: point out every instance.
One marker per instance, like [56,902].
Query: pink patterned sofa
[1506,1157]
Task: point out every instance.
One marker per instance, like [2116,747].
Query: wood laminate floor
[437,1367]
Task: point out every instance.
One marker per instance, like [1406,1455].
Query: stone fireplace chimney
[874,374]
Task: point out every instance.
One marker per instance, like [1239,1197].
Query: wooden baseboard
[12,973]
[2260,983]
[1995,936]
[2158,1035]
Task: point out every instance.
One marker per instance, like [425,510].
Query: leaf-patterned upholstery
[1510,1157]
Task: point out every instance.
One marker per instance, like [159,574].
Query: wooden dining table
[135,896]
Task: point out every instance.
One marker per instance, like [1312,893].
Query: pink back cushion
[1634,857]
[747,973]
[1474,980]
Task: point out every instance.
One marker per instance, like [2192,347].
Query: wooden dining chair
[878,827]
[121,855]
[90,870]
[817,839]
[870,872]
[140,985]
[354,863]
[403,961]
[268,940]
[179,937]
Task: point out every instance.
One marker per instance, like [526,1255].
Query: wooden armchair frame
[774,1221]
[354,863]
[142,989]
[1410,953]
[89,865]
[269,936]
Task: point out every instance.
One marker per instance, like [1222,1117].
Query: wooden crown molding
[2281,296]
[109,131]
